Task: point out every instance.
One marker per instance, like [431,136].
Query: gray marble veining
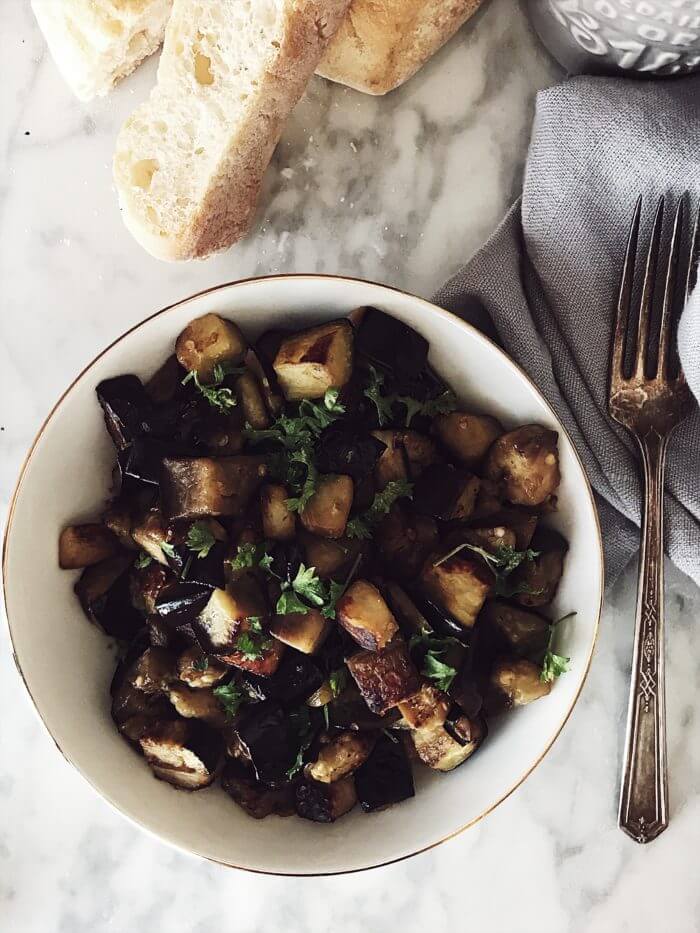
[399,190]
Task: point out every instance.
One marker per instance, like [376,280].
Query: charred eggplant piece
[426,709]
[195,487]
[459,584]
[199,671]
[325,803]
[404,540]
[126,408]
[510,629]
[261,366]
[364,614]
[441,750]
[345,447]
[103,591]
[264,662]
[272,739]
[279,523]
[196,704]
[446,493]
[145,586]
[296,678]
[185,753]
[150,532]
[225,614]
[255,798]
[514,682]
[330,558]
[386,677]
[304,631]
[164,384]
[350,711]
[209,340]
[385,777]
[179,604]
[312,361]
[467,437]
[153,671]
[84,545]
[391,344]
[327,511]
[539,578]
[340,756]
[407,455]
[525,463]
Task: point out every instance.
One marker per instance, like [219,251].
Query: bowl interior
[67,664]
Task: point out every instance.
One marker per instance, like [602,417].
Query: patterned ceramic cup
[634,37]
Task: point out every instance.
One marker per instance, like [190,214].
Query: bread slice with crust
[190,161]
[95,43]
[383,43]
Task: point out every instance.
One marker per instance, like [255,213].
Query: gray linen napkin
[546,282]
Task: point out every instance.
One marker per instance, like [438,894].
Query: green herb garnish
[201,664]
[384,403]
[301,722]
[362,525]
[169,550]
[143,560]
[250,555]
[222,399]
[252,645]
[554,665]
[200,539]
[373,392]
[231,698]
[305,456]
[338,681]
[502,561]
[433,668]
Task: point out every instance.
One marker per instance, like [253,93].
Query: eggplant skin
[385,340]
[125,406]
[83,545]
[404,540]
[270,740]
[257,800]
[342,755]
[425,709]
[325,803]
[195,487]
[386,677]
[441,751]
[386,777]
[542,574]
[525,463]
[104,594]
[510,629]
[185,753]
[365,616]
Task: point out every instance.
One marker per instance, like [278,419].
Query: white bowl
[67,664]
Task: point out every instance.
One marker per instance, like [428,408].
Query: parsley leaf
[554,665]
[382,403]
[222,399]
[436,670]
[338,680]
[336,590]
[200,539]
[301,723]
[502,561]
[201,664]
[362,525]
[252,645]
[143,560]
[289,603]
[305,456]
[307,584]
[250,555]
[231,698]
[168,550]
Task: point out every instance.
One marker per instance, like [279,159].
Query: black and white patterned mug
[634,37]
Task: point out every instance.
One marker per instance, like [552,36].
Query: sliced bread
[190,161]
[94,43]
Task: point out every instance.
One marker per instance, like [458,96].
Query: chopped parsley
[200,664]
[169,550]
[502,561]
[222,399]
[384,403]
[143,560]
[554,665]
[301,723]
[338,681]
[231,698]
[247,555]
[433,668]
[200,539]
[252,644]
[362,526]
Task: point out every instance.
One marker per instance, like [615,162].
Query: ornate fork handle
[644,793]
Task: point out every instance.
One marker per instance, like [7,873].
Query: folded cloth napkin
[545,284]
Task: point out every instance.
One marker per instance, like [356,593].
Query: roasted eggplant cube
[185,753]
[539,578]
[304,631]
[165,382]
[194,487]
[330,558]
[325,803]
[407,454]
[326,513]
[518,523]
[196,704]
[153,671]
[255,798]
[459,584]
[340,756]
[261,367]
[104,594]
[179,604]
[513,630]
[198,670]
[490,537]
[385,777]
[390,343]
[426,709]
[279,523]
[223,617]
[297,677]
[467,437]
[347,447]
[146,585]
[206,341]
[364,614]
[444,750]
[309,363]
[514,682]
[271,740]
[525,463]
[150,532]
[405,539]
[126,408]
[84,545]
[264,662]
[386,677]
[252,402]
[350,711]
[446,493]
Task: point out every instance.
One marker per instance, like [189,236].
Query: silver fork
[650,405]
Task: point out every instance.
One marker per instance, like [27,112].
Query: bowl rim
[431,309]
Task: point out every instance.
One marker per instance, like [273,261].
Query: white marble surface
[399,190]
